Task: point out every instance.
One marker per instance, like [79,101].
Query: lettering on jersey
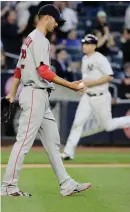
[90,67]
[28,41]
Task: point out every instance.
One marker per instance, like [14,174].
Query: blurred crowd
[19,18]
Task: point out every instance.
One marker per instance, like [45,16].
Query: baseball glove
[7,110]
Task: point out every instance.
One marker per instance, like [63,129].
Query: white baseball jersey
[95,67]
[98,107]
[35,49]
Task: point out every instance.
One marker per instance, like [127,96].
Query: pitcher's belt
[48,89]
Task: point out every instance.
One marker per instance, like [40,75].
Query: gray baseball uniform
[36,116]
[34,50]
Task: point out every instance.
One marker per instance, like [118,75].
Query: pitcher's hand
[77,86]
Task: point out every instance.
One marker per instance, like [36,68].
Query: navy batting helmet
[90,39]
[51,10]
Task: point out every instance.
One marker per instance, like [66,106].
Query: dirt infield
[117,165]
[80,149]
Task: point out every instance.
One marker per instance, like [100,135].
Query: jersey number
[23,54]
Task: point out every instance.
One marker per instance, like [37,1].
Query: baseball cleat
[64,156]
[17,194]
[80,187]
[70,187]
[20,193]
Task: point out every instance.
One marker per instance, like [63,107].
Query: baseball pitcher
[33,69]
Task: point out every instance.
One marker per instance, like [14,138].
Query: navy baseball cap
[51,10]
[90,39]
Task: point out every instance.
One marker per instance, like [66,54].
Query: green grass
[81,157]
[110,191]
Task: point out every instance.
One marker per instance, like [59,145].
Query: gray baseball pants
[36,118]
